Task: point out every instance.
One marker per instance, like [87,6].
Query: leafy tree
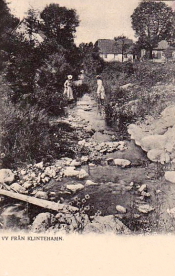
[7,23]
[60,23]
[152,22]
[91,61]
[123,44]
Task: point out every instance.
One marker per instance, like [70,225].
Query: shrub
[27,136]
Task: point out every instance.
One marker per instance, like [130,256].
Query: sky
[98,18]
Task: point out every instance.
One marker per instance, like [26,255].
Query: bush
[27,136]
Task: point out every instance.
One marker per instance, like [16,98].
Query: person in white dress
[100,90]
[68,92]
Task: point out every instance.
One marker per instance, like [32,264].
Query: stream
[116,185]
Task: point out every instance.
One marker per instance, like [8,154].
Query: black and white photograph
[87,118]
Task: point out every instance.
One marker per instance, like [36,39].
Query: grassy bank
[151,85]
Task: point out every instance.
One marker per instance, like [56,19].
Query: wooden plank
[39,202]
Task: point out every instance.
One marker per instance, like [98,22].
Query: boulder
[122,162]
[18,188]
[6,176]
[42,222]
[106,224]
[170,176]
[121,209]
[153,142]
[75,187]
[168,114]
[136,133]
[158,155]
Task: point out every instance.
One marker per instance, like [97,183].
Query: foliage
[27,136]
[60,23]
[123,44]
[152,22]
[91,61]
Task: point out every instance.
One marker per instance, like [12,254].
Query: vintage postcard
[87,137]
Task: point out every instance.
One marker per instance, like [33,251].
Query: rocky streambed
[112,184]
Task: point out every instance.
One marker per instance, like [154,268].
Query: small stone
[91,165]
[39,165]
[142,188]
[27,184]
[82,174]
[144,194]
[75,163]
[121,209]
[75,187]
[41,194]
[23,172]
[70,172]
[90,183]
[18,188]
[145,208]
[6,176]
[122,162]
[84,159]
[136,216]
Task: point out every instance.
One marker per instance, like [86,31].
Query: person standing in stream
[68,92]
[100,91]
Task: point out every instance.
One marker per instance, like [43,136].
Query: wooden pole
[40,202]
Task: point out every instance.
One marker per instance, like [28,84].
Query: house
[111,50]
[162,52]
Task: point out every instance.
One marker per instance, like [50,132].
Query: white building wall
[114,57]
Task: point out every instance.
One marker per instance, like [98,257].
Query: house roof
[110,46]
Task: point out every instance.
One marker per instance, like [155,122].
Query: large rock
[122,162]
[6,176]
[75,187]
[169,115]
[106,224]
[136,133]
[153,142]
[42,222]
[170,176]
[158,155]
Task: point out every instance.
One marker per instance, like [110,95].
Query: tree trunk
[150,53]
